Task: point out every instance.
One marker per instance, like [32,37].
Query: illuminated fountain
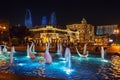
[68,57]
[85,52]
[33,49]
[59,50]
[68,69]
[14,49]
[47,56]
[102,52]
[4,49]
[0,50]
[29,50]
[11,55]
[73,67]
[3,59]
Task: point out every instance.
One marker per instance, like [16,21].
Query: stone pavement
[8,76]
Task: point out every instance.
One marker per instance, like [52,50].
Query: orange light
[116,31]
[4,27]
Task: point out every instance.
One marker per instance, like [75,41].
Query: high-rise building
[106,33]
[28,19]
[44,21]
[53,19]
[106,29]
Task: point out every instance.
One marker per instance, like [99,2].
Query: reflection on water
[40,70]
[90,68]
[115,60]
[111,71]
[6,68]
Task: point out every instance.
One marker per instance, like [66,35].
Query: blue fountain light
[104,60]
[21,64]
[81,68]
[67,70]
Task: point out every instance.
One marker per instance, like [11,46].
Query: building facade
[85,31]
[79,33]
[53,34]
[106,33]
[106,29]
[75,33]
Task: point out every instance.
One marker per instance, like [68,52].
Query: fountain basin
[91,68]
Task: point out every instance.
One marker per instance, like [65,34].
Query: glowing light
[53,19]
[68,71]
[28,56]
[45,39]
[116,31]
[55,63]
[63,61]
[28,18]
[103,60]
[110,40]
[4,27]
[115,60]
[44,21]
[8,52]
[21,64]
[71,40]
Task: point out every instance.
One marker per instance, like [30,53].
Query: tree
[19,32]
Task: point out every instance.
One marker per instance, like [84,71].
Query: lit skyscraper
[28,19]
[44,21]
[53,19]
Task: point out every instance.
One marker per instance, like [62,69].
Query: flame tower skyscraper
[53,19]
[44,21]
[28,19]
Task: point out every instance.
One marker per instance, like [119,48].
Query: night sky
[96,12]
